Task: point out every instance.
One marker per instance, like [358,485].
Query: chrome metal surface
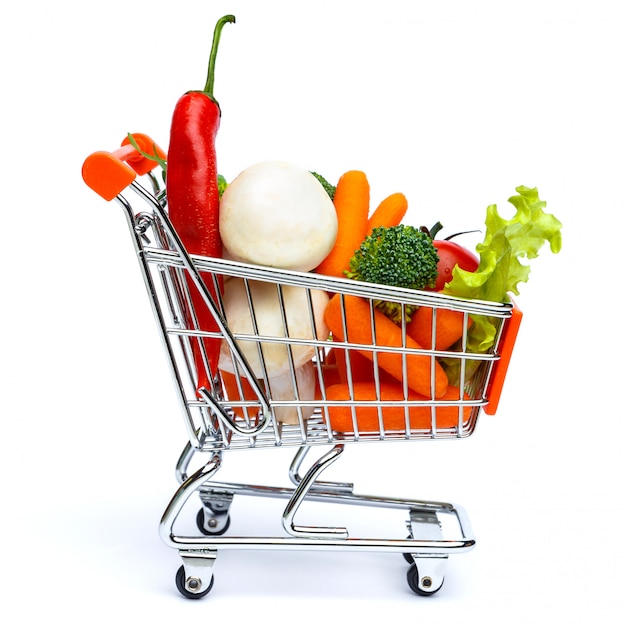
[296,479]
[220,419]
[198,566]
[300,494]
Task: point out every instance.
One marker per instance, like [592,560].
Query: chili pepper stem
[208,88]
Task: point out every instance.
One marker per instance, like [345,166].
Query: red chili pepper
[193,195]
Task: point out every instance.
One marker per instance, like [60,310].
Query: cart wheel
[413,578]
[204,530]
[188,593]
[407,555]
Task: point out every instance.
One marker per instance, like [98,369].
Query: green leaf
[506,244]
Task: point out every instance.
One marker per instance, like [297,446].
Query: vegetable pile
[282,215]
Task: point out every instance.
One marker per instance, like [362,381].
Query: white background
[453,103]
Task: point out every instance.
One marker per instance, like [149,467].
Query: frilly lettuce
[500,270]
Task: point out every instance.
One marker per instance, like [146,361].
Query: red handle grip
[109,173]
[507,343]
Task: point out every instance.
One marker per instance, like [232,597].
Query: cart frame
[216,423]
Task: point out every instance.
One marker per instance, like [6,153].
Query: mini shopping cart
[238,410]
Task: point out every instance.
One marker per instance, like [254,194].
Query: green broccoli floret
[399,256]
[222,183]
[330,189]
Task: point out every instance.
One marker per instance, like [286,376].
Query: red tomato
[451,254]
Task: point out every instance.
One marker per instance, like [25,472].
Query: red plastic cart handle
[507,342]
[109,173]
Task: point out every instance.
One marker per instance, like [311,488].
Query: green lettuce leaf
[506,244]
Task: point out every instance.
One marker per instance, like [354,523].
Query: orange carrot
[352,203]
[394,416]
[361,368]
[390,212]
[330,376]
[232,393]
[449,327]
[419,367]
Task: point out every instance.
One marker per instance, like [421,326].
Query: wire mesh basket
[266,358]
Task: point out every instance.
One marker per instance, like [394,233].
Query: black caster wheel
[407,556]
[203,529]
[413,578]
[188,592]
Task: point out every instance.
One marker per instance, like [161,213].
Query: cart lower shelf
[435,529]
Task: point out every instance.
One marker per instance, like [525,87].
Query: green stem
[208,88]
[435,230]
[464,232]
[145,155]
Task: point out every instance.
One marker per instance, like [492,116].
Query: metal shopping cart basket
[238,407]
